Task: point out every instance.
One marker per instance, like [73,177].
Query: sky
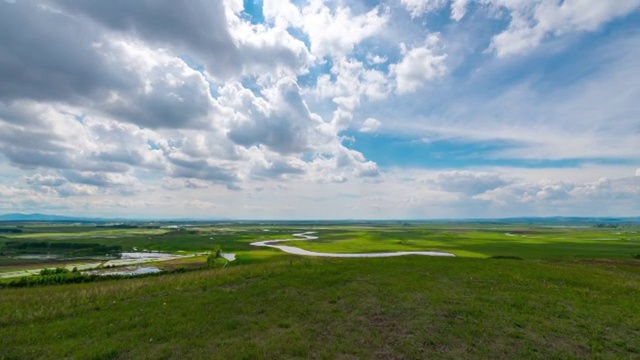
[309,109]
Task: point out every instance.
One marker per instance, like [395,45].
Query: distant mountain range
[18,217]
[554,220]
[563,220]
[47,218]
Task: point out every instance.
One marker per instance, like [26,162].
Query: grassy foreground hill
[292,307]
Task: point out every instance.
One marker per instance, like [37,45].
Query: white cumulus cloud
[335,32]
[419,64]
[370,125]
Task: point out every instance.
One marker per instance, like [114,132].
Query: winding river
[307,236]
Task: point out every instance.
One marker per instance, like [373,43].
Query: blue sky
[321,109]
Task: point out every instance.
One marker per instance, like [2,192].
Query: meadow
[512,291]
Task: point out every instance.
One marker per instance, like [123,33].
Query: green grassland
[573,295]
[522,241]
[467,240]
[411,307]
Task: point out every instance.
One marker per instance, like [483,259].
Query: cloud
[282,122]
[73,142]
[60,62]
[143,107]
[8,192]
[349,85]
[419,7]
[183,166]
[202,26]
[638,172]
[122,143]
[601,191]
[419,64]
[45,180]
[335,32]
[332,32]
[349,82]
[458,9]
[279,168]
[368,169]
[370,125]
[168,92]
[70,60]
[73,183]
[572,119]
[217,37]
[162,109]
[100,179]
[469,183]
[531,22]
[376,59]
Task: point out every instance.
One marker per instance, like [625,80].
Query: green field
[482,241]
[513,291]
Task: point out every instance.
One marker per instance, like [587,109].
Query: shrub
[56,271]
[506,257]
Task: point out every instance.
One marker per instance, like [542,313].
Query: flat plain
[512,291]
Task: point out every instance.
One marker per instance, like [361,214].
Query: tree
[216,254]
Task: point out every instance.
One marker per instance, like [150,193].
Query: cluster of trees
[70,249]
[182,231]
[119,226]
[610,226]
[60,276]
[55,271]
[53,276]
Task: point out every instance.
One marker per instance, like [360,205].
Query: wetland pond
[125,270]
[129,263]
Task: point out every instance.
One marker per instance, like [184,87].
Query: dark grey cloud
[276,169]
[36,139]
[33,148]
[287,127]
[194,184]
[98,179]
[211,173]
[121,156]
[76,183]
[48,55]
[52,55]
[201,169]
[45,180]
[213,143]
[36,144]
[165,98]
[25,157]
[199,26]
[470,183]
[68,190]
